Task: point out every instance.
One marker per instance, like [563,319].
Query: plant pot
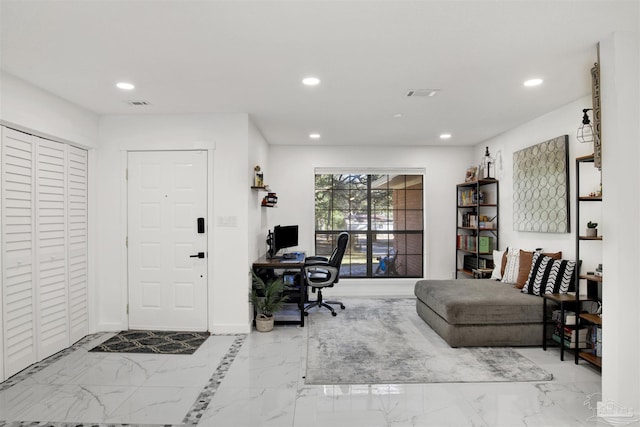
[264,323]
[592,232]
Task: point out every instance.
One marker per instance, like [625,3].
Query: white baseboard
[230,329]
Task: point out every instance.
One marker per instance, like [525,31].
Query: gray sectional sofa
[480,312]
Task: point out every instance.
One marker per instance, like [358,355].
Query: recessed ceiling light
[125,86]
[445,136]
[533,82]
[314,135]
[311,81]
[397,115]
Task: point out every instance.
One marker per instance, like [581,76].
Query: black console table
[297,291]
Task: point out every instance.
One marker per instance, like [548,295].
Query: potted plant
[592,231]
[267,298]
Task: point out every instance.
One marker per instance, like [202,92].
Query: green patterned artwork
[541,187]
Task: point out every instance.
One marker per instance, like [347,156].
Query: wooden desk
[298,295]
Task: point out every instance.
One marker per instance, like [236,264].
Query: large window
[383,214]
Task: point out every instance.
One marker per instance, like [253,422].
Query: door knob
[198,255]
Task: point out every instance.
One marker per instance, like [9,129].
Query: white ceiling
[250,56]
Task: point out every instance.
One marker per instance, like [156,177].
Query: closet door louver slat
[18,293]
[77,242]
[51,245]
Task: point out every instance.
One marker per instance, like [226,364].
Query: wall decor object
[541,187]
[597,127]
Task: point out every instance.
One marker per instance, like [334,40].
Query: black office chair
[321,272]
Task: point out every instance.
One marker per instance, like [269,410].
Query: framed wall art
[541,187]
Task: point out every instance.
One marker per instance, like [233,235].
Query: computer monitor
[284,236]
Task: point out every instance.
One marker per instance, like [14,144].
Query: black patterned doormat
[159,342]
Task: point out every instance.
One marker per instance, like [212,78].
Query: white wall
[620,73]
[563,121]
[293,179]
[258,216]
[225,136]
[30,109]
[620,208]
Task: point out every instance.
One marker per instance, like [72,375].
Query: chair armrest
[316,258]
[330,273]
[316,262]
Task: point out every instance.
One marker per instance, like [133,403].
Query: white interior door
[52,314]
[167,193]
[77,240]
[18,234]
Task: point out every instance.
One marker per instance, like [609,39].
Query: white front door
[167,194]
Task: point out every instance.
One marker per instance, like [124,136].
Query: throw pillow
[496,274]
[524,267]
[511,269]
[503,265]
[549,276]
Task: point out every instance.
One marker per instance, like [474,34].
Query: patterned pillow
[549,276]
[497,262]
[510,274]
[526,260]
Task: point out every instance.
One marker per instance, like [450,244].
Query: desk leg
[303,296]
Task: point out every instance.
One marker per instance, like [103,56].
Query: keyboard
[290,255]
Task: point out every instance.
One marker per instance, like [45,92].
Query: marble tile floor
[257,380]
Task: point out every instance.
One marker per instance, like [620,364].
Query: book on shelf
[569,343]
[473,263]
[569,317]
[469,197]
[485,244]
[572,333]
[595,340]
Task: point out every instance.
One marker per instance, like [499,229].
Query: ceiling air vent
[139,103]
[412,93]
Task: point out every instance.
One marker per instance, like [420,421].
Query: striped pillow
[510,274]
[549,276]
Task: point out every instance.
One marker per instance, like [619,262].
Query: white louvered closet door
[77,242]
[52,295]
[18,234]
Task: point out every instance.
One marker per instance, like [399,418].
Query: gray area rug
[384,341]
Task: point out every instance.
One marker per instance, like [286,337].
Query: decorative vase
[264,323]
[592,232]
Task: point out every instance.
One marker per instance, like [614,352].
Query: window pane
[323,219]
[384,215]
[324,244]
[381,220]
[414,199]
[355,261]
[324,182]
[414,244]
[380,199]
[414,220]
[357,220]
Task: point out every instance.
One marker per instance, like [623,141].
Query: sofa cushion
[549,276]
[478,301]
[525,262]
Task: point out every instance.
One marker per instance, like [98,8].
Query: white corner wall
[32,110]
[291,174]
[563,121]
[225,137]
[258,225]
[620,86]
